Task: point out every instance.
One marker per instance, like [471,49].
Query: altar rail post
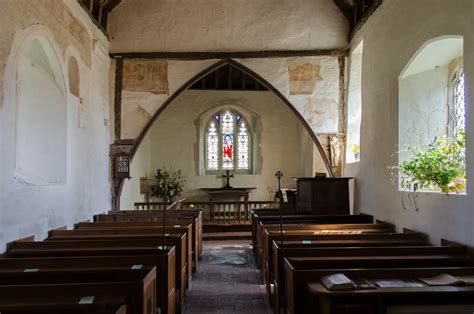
[217,212]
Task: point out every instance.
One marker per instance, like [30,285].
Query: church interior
[245,156]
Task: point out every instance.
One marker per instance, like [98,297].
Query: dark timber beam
[365,17]
[347,10]
[230,55]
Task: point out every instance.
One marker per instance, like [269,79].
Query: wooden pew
[367,301]
[259,220]
[196,236]
[309,236]
[108,247]
[138,285]
[330,240]
[183,251]
[297,279]
[148,233]
[156,215]
[265,230]
[60,299]
[107,263]
[378,250]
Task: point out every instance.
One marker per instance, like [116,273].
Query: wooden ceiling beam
[370,8]
[347,10]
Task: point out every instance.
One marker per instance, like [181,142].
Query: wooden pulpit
[324,196]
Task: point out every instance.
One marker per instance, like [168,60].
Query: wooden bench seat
[156,216]
[373,301]
[277,274]
[60,299]
[106,263]
[146,233]
[139,285]
[196,235]
[308,237]
[260,219]
[265,231]
[108,247]
[297,279]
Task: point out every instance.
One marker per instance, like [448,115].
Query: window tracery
[227,142]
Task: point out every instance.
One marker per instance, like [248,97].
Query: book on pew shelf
[397,283]
[337,282]
[364,284]
[442,280]
[468,279]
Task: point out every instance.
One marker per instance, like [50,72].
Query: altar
[227,192]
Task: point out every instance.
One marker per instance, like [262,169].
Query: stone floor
[227,281]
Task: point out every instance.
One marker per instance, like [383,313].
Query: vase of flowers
[168,185]
[356,151]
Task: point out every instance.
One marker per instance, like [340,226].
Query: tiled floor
[226,281]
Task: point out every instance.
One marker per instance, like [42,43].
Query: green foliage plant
[442,165]
[169,182]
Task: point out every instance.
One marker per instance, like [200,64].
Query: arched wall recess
[426,98]
[41,114]
[74,77]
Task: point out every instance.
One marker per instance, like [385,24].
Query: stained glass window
[243,147]
[459,108]
[228,139]
[212,147]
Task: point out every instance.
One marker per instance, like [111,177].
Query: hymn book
[448,280]
[338,282]
[397,283]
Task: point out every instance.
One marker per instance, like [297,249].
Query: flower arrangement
[355,148]
[442,165]
[169,181]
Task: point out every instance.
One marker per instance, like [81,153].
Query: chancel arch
[287,132]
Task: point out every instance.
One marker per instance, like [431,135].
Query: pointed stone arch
[191,82]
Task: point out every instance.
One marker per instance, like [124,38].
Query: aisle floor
[227,281]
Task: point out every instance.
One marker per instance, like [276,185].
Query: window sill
[434,192]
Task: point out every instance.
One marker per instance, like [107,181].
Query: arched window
[432,115]
[228,142]
[459,104]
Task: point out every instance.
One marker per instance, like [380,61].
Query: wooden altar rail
[218,212]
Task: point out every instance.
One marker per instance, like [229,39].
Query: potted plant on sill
[441,166]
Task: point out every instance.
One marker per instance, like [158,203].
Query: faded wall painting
[303,75]
[146,76]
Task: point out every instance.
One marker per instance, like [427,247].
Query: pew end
[51,232]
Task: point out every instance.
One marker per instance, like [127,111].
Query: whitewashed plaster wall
[283,143]
[216,25]
[30,209]
[389,43]
[311,84]
[423,109]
